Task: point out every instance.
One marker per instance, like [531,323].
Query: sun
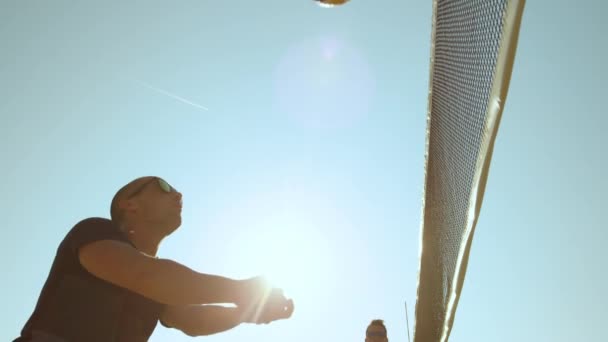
[286,233]
[291,257]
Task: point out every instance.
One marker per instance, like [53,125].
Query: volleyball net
[472,53]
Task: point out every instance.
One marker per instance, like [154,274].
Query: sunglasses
[161,182]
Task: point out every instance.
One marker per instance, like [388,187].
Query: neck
[144,238]
[144,244]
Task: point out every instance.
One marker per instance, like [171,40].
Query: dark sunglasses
[161,182]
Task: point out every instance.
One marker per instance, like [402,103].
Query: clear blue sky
[312,147]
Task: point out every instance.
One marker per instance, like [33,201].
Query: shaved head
[376,331]
[115,211]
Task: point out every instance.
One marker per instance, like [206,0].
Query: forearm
[171,283]
[201,320]
[215,319]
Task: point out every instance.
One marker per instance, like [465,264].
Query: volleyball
[330,3]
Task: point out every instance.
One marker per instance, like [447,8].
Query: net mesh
[467,37]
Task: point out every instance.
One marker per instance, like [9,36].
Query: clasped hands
[262,303]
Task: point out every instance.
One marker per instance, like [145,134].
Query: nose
[178,196]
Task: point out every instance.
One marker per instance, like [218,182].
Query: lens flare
[324,83]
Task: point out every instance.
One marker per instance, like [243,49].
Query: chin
[171,226]
[176,224]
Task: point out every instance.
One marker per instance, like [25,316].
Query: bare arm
[201,320]
[164,281]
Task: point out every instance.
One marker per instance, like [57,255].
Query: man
[107,285]
[376,331]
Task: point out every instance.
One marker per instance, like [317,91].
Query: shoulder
[94,224]
[90,230]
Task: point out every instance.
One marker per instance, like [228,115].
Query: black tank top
[76,306]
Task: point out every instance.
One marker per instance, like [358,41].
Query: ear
[127,205]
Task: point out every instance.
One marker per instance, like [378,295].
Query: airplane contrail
[176,97]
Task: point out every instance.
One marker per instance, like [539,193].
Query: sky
[296,135]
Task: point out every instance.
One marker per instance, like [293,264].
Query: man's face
[376,333]
[157,206]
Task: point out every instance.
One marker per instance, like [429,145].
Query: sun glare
[290,257]
[287,236]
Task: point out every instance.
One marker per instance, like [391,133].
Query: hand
[271,307]
[252,290]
